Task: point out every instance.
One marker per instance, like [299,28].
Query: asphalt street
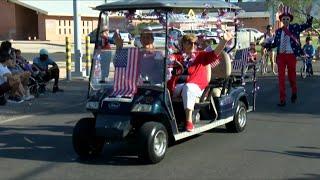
[278,143]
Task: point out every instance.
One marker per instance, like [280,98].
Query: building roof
[61,7]
[253,6]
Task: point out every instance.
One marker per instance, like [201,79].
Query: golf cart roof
[164,4]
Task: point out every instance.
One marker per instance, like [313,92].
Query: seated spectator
[9,81]
[42,64]
[24,76]
[22,62]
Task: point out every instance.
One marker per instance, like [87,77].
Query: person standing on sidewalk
[287,42]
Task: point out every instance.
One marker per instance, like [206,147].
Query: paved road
[279,143]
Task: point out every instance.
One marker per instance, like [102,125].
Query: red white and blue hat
[285,11]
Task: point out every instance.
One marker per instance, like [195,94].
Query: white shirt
[3,71]
[288,48]
[268,38]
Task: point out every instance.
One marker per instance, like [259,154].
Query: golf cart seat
[220,74]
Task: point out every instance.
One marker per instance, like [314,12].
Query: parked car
[253,33]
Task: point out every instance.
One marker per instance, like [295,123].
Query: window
[59,31]
[65,31]
[69,30]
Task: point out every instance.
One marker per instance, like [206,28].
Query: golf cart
[132,101]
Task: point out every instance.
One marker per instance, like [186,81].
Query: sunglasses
[191,43]
[286,19]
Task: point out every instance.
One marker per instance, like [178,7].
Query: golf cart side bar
[95,47]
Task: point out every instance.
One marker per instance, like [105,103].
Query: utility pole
[77,40]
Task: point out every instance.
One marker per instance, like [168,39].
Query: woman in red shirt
[193,80]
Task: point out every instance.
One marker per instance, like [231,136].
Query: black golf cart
[128,94]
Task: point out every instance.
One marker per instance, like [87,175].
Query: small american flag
[126,72]
[240,59]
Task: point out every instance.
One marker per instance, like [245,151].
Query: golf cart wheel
[85,143]
[153,138]
[239,120]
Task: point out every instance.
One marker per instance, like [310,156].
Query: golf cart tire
[147,135]
[238,124]
[85,143]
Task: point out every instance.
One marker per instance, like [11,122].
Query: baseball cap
[44,52]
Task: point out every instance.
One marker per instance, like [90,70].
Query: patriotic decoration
[285,11]
[241,58]
[126,72]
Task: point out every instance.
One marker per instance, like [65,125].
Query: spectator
[22,62]
[309,51]
[9,81]
[42,64]
[24,76]
[105,44]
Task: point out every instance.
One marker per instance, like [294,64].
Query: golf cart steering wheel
[178,68]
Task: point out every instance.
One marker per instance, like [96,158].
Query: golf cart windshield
[148,38]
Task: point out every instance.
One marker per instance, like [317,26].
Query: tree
[298,8]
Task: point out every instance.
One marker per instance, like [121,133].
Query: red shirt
[197,70]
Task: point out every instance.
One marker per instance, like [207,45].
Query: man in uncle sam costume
[287,42]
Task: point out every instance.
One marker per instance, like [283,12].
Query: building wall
[56,28]
[8,23]
[26,23]
[42,27]
[258,23]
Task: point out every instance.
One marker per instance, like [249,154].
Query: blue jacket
[295,29]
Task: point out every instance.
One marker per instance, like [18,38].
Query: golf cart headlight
[92,105]
[142,108]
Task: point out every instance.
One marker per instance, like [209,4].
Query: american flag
[126,72]
[240,59]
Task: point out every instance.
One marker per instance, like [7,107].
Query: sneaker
[294,98]
[56,89]
[189,126]
[282,104]
[15,99]
[28,97]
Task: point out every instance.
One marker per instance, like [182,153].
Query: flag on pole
[126,72]
[241,59]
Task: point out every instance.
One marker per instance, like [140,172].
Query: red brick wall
[258,23]
[8,23]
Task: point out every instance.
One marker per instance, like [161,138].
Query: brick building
[44,20]
[257,15]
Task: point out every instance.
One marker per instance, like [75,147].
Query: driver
[191,83]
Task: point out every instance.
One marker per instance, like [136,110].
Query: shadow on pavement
[42,143]
[268,96]
[303,154]
[307,177]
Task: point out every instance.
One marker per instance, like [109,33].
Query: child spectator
[309,52]
[252,54]
[22,62]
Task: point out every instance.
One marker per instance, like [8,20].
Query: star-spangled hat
[285,11]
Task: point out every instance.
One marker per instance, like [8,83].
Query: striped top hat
[285,11]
